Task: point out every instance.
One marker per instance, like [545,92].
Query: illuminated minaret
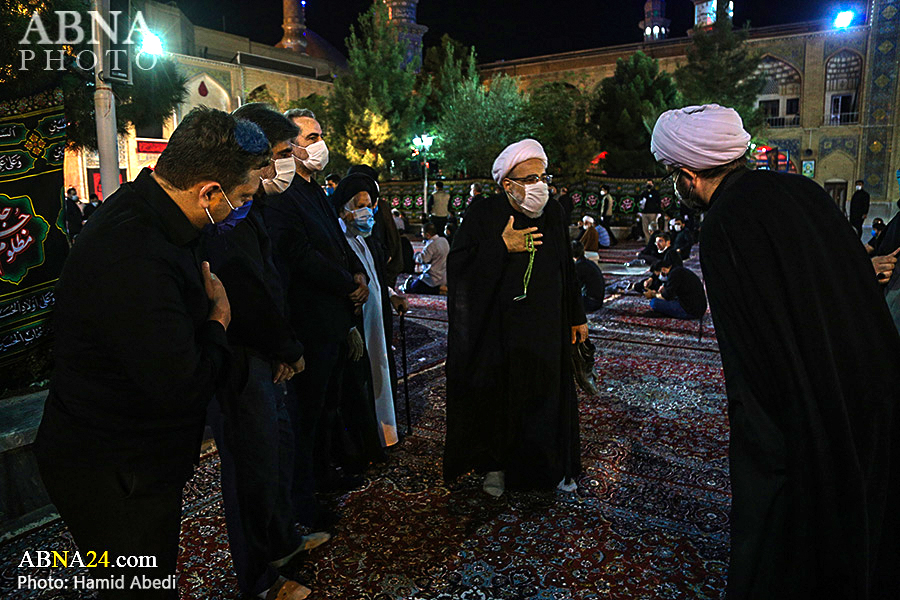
[705,12]
[294,26]
[402,14]
[655,24]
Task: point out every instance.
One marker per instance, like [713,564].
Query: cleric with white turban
[515,310]
[809,353]
[515,154]
[699,137]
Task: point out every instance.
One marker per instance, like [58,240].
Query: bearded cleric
[809,353]
[515,311]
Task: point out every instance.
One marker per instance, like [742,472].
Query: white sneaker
[493,483]
[567,485]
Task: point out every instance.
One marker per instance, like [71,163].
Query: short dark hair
[665,235]
[71,189]
[275,126]
[722,170]
[430,228]
[210,144]
[577,249]
[860,181]
[333,177]
[298,113]
[439,185]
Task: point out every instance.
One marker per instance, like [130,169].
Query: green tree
[625,109]
[376,105]
[479,120]
[150,100]
[445,66]
[721,68]
[558,112]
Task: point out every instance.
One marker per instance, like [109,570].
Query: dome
[319,47]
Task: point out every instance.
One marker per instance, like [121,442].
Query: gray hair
[296,113]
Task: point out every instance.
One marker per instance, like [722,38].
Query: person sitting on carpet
[434,257]
[681,296]
[589,239]
[590,278]
[651,253]
[878,228]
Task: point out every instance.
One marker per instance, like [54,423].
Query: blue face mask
[235,217]
[329,191]
[363,221]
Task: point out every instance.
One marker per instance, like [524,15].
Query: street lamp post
[423,143]
[105,110]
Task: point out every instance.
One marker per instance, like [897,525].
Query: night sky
[502,29]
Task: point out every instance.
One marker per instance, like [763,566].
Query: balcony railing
[847,118]
[781,122]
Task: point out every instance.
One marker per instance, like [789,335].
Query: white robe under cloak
[376,344]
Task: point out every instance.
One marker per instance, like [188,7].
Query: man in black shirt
[325,284]
[590,278]
[681,296]
[859,208]
[249,416]
[684,239]
[140,348]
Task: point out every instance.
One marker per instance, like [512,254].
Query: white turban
[589,220]
[699,137]
[515,154]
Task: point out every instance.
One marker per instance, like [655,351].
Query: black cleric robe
[810,358]
[511,403]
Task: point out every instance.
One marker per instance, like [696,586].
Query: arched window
[843,74]
[779,100]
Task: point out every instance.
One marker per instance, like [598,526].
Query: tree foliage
[721,68]
[445,66]
[150,100]
[376,105]
[625,109]
[558,113]
[478,121]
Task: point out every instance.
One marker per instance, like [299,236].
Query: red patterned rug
[649,519]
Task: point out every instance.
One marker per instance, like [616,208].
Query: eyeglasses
[532,179]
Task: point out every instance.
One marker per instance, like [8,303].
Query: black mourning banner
[33,244]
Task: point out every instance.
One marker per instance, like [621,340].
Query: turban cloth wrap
[699,137]
[515,154]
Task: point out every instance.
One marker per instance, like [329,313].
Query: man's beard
[687,198]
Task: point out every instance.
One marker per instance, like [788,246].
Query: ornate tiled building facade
[831,96]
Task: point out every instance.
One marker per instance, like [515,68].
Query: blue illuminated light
[844,19]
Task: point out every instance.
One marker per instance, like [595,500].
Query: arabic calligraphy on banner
[33,246]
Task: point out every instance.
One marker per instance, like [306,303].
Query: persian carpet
[649,519]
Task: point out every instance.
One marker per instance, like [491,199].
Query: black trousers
[857,224]
[256,446]
[124,512]
[318,392]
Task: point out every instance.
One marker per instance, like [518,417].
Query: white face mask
[859,187]
[536,197]
[284,174]
[318,156]
[677,227]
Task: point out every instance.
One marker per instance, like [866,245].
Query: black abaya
[810,359]
[511,402]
